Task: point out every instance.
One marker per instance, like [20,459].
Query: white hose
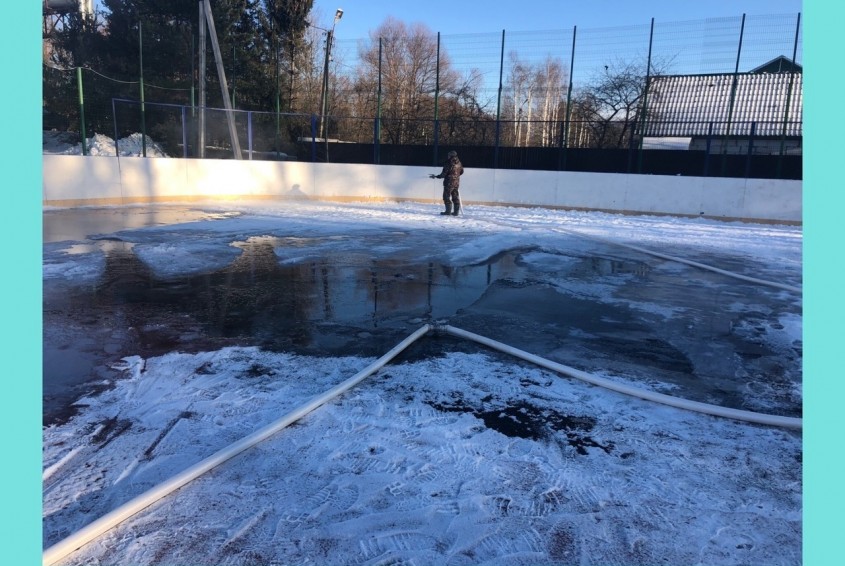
[108,521]
[704,266]
[715,410]
[784,286]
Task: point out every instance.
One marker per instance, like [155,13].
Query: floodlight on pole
[329,36]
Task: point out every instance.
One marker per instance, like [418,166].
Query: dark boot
[448,209]
[457,209]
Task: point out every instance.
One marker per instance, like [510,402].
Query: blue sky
[458,17]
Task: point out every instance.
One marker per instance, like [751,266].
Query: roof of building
[700,105]
[779,64]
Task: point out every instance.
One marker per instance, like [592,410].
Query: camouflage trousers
[451,197]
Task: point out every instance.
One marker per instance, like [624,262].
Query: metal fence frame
[565,131]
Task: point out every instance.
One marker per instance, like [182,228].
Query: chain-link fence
[721,96]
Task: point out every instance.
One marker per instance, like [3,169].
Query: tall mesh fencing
[726,91]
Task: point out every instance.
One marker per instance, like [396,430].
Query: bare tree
[551,76]
[533,101]
[465,120]
[409,78]
[612,104]
[521,82]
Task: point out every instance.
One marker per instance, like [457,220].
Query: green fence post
[277,134]
[645,101]
[234,69]
[436,135]
[499,105]
[788,99]
[143,116]
[81,110]
[377,133]
[184,133]
[565,141]
[732,99]
[276,72]
[114,122]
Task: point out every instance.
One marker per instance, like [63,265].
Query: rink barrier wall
[71,180]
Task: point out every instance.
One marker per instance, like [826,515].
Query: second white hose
[715,410]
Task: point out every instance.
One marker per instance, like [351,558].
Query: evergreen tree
[158,40]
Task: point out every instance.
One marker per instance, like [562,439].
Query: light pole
[325,90]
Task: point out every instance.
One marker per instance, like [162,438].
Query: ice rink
[171,331]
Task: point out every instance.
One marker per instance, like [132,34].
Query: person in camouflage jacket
[451,175]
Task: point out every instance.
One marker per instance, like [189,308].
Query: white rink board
[72,180]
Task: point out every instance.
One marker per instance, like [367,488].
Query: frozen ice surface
[457,457]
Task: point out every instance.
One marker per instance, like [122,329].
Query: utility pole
[202,49]
[205,13]
[325,95]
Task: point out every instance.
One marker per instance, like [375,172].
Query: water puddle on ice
[302,295]
[292,294]
[78,223]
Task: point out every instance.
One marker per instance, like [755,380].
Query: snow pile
[59,143]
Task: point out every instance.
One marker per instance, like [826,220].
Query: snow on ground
[463,457]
